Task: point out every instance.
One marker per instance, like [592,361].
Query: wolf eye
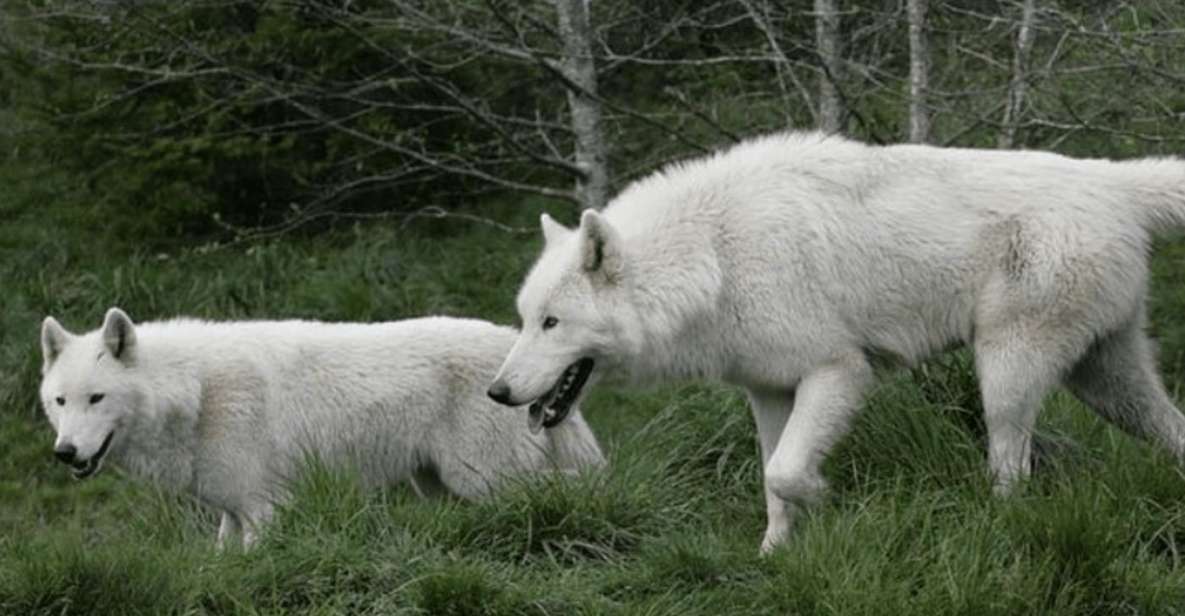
[96,398]
[61,400]
[550,322]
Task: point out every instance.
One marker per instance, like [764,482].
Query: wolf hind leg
[1017,365]
[1117,379]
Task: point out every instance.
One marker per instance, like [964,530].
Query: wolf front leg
[258,515]
[825,402]
[228,529]
[771,409]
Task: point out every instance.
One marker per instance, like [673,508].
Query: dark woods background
[211,120]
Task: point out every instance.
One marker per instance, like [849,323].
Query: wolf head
[86,389]
[576,320]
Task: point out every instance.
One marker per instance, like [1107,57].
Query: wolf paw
[771,543]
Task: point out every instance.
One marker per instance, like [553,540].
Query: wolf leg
[258,515]
[824,404]
[770,411]
[468,480]
[1017,367]
[1117,379]
[228,529]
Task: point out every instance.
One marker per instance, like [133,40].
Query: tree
[829,47]
[919,73]
[580,72]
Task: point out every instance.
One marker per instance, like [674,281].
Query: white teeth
[566,380]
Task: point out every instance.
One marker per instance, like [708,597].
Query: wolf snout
[66,453]
[500,392]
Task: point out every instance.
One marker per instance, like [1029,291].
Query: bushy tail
[1160,187]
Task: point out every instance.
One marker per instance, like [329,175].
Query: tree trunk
[829,48]
[919,73]
[1017,85]
[580,69]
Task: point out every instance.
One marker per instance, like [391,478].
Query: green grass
[670,527]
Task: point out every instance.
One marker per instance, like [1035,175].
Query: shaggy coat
[229,411]
[786,263]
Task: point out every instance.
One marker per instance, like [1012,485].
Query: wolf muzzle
[66,453]
[500,392]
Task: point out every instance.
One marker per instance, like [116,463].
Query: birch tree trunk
[580,69]
[827,41]
[919,73]
[1014,106]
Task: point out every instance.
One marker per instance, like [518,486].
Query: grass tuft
[670,526]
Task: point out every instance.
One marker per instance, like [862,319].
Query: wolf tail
[1159,184]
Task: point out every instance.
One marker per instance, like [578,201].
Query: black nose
[500,392]
[65,452]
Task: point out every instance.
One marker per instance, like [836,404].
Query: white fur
[785,263]
[228,411]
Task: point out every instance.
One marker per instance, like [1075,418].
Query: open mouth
[82,470]
[551,408]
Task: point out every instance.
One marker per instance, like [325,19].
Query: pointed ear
[54,338]
[552,230]
[119,334]
[601,252]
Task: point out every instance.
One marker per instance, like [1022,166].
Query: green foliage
[671,525]
[115,180]
[1165,305]
[197,120]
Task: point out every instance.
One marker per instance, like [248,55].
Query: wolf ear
[601,253]
[552,230]
[119,334]
[54,338]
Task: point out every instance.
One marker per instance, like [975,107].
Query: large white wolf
[784,264]
[229,410]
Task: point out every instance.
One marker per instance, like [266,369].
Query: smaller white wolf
[229,411]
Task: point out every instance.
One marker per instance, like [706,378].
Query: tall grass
[671,526]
